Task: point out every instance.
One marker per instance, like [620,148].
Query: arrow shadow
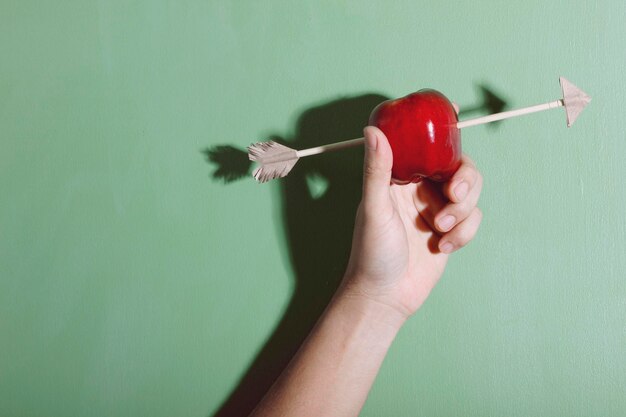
[490,103]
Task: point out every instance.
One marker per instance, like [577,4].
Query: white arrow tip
[574,100]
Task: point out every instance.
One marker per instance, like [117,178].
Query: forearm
[334,369]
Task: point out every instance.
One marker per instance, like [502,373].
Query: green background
[135,281]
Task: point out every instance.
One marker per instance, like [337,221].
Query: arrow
[276,160]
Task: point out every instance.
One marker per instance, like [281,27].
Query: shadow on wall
[319,201]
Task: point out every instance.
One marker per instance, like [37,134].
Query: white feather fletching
[275,160]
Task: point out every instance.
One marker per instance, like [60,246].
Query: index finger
[463,180]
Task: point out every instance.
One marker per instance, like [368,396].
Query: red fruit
[422,132]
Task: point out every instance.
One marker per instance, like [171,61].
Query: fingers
[462,234]
[454,213]
[458,221]
[429,201]
[463,180]
[376,170]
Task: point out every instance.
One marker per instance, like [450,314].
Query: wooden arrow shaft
[330,147]
[507,114]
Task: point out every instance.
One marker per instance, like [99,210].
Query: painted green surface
[134,283]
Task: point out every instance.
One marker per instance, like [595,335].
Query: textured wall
[135,280]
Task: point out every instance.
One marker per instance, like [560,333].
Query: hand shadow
[319,201]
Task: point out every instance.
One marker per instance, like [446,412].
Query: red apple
[422,132]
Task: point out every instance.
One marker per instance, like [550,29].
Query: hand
[404,233]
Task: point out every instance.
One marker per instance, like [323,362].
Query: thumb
[376,169]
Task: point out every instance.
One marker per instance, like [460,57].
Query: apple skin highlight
[421,129]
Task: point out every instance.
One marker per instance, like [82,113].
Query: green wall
[135,280]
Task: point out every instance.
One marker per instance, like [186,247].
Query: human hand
[404,233]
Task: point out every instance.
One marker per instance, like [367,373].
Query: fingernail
[447,247]
[446,222]
[371,141]
[460,191]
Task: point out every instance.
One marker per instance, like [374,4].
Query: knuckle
[468,229]
[476,178]
[464,237]
[467,160]
[468,174]
[461,210]
[374,169]
[479,178]
[370,169]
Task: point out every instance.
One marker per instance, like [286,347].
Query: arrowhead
[574,100]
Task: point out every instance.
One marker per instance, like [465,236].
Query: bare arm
[334,369]
[402,239]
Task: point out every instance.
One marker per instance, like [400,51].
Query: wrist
[375,308]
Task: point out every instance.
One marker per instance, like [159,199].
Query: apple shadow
[319,199]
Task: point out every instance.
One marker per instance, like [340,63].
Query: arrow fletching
[275,160]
